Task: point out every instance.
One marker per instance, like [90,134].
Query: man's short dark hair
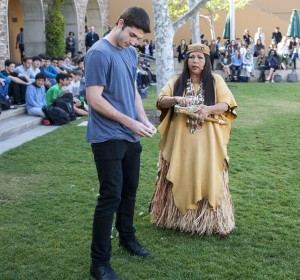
[8,62]
[36,58]
[39,76]
[42,56]
[25,58]
[136,17]
[48,58]
[61,76]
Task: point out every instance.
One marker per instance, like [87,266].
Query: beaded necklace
[197,99]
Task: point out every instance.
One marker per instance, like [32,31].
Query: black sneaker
[134,247]
[103,272]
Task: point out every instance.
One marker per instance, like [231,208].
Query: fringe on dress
[203,220]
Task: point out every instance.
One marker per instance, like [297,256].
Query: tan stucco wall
[259,13]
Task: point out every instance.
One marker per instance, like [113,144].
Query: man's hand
[142,130]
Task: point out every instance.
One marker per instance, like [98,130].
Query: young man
[19,82]
[36,96]
[35,68]
[91,38]
[57,90]
[116,121]
[276,35]
[48,69]
[25,68]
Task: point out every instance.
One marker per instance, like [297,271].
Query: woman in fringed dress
[192,189]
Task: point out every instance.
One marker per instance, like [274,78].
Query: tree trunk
[164,32]
[195,23]
[212,27]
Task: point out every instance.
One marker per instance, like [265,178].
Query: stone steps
[16,128]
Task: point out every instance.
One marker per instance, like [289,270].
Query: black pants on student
[22,49]
[17,91]
[118,168]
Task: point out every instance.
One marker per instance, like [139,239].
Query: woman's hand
[203,112]
[184,101]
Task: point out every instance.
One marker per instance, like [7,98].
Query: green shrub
[55,25]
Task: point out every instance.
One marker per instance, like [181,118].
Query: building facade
[32,14]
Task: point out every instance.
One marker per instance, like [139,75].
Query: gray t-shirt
[115,70]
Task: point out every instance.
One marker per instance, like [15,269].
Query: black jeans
[118,168]
[17,91]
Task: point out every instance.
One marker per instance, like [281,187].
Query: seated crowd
[40,80]
[241,54]
[281,55]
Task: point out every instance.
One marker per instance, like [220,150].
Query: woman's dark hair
[136,17]
[273,50]
[207,80]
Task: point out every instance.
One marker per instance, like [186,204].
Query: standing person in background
[91,38]
[145,49]
[218,42]
[259,35]
[70,44]
[214,52]
[152,49]
[276,35]
[108,30]
[247,37]
[116,122]
[192,187]
[182,49]
[20,42]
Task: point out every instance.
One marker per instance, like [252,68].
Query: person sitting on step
[36,96]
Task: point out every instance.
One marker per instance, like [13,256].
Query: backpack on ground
[243,79]
[66,103]
[292,77]
[56,115]
[277,78]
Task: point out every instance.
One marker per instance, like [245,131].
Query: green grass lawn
[49,186]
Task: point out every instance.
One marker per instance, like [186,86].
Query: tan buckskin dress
[192,188]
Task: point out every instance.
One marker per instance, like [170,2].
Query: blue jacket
[6,79]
